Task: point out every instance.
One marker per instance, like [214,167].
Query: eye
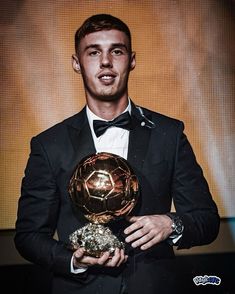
[94,53]
[117,52]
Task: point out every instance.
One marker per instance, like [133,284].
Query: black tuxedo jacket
[166,167]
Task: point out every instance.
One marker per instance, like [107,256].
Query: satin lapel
[138,141]
[80,135]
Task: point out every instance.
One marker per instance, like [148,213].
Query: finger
[135,226]
[115,259]
[89,260]
[145,239]
[125,258]
[104,258]
[122,258]
[132,219]
[79,253]
[78,256]
[151,243]
[137,235]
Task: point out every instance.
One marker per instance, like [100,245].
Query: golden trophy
[104,187]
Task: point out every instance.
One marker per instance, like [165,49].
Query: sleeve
[38,210]
[78,270]
[192,198]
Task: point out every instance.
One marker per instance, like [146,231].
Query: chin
[109,96]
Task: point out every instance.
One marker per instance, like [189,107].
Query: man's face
[104,60]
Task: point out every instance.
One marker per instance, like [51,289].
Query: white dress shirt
[115,140]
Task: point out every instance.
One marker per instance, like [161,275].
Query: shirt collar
[91,116]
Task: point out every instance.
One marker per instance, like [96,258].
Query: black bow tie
[122,121]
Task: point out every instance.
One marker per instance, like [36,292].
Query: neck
[108,110]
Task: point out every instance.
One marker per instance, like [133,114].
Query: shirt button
[142,124]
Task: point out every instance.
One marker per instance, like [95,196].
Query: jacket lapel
[138,140]
[80,135]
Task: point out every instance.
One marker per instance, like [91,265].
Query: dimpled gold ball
[104,186]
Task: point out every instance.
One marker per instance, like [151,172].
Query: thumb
[79,253]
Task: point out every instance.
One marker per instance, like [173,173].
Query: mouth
[107,78]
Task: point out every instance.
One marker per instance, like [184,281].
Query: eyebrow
[113,45]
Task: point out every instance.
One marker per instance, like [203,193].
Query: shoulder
[161,120]
[58,137]
[60,129]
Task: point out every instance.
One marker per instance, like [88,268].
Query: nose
[106,61]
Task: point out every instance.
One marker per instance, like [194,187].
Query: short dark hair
[100,22]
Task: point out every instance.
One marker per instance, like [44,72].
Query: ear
[133,60]
[76,64]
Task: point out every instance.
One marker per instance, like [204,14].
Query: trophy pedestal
[95,239]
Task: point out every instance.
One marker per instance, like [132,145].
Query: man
[156,148]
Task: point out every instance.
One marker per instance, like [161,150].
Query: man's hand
[107,260]
[146,231]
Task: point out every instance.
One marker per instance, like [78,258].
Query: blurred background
[185,69]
